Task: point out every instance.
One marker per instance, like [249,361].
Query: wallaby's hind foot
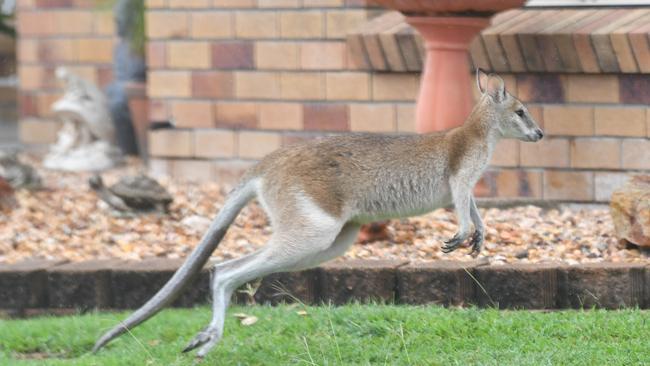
[206,339]
[453,243]
[476,242]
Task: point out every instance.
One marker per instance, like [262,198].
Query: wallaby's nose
[540,134]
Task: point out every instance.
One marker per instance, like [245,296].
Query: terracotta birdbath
[447,27]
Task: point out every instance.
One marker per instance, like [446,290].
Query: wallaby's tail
[196,260]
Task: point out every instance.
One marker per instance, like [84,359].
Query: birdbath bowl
[447,27]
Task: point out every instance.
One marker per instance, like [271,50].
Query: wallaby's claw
[476,242]
[206,338]
[452,244]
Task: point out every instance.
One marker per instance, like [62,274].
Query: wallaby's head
[506,112]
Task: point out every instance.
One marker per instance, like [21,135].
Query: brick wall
[76,33]
[240,79]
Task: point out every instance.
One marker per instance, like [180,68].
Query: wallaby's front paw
[452,244]
[476,242]
[206,338]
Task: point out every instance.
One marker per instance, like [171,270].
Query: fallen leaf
[249,321]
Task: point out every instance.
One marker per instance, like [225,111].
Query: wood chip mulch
[68,221]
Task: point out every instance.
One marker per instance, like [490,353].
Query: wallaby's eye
[520,112]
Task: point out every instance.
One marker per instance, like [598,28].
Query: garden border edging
[111,284]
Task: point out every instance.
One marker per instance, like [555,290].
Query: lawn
[347,335]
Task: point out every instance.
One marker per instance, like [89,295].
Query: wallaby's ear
[496,87]
[481,79]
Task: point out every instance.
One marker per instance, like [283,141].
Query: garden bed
[68,221]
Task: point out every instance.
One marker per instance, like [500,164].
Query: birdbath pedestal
[447,28]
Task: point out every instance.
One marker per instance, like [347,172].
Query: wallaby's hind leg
[286,251]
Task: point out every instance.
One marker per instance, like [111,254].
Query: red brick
[212,84]
[28,50]
[58,50]
[406,118]
[636,154]
[104,75]
[635,89]
[298,138]
[214,144]
[256,24]
[302,86]
[596,153]
[593,88]
[229,172]
[238,115]
[233,55]
[323,55]
[212,25]
[583,43]
[96,50]
[255,145]
[35,23]
[193,114]
[104,23]
[372,118]
[639,41]
[188,55]
[301,24]
[166,24]
[566,120]
[192,170]
[341,22]
[326,117]
[606,183]
[257,85]
[280,116]
[156,55]
[568,186]
[37,131]
[277,55]
[51,4]
[616,121]
[171,143]
[549,152]
[73,22]
[27,105]
[184,4]
[169,84]
[158,111]
[540,88]
[347,86]
[506,153]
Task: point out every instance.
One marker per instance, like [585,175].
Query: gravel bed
[68,221]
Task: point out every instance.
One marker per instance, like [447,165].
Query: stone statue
[86,140]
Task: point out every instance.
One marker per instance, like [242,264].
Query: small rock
[602,246]
[522,254]
[630,210]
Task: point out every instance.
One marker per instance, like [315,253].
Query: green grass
[348,335]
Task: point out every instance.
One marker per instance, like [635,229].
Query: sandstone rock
[630,209]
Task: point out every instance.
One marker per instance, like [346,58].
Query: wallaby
[318,194]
